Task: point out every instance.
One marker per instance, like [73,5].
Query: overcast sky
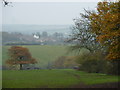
[44,13]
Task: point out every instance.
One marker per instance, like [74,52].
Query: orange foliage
[20,55]
[105,24]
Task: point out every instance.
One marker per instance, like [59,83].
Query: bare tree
[81,36]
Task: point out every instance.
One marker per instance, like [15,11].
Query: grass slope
[43,54]
[52,78]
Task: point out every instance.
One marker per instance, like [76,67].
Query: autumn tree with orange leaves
[100,31]
[20,55]
[105,23]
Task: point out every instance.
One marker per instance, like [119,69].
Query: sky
[44,13]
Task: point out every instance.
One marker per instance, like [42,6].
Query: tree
[20,55]
[65,62]
[92,62]
[59,63]
[81,35]
[44,34]
[105,24]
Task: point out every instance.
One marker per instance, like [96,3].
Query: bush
[95,66]
[65,62]
[92,62]
[113,67]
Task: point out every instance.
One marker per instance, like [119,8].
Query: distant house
[35,36]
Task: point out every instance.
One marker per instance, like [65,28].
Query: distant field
[52,78]
[43,54]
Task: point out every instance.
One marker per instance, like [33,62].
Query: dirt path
[105,85]
[77,76]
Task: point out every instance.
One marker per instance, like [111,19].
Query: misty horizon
[29,29]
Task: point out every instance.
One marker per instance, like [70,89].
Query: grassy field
[43,54]
[52,78]
[49,78]
[0,78]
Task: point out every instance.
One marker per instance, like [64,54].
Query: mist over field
[29,29]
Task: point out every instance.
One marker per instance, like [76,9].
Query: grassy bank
[52,78]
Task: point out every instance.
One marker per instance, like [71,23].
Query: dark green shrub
[113,67]
[92,62]
[95,66]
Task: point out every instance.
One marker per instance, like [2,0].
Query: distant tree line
[36,38]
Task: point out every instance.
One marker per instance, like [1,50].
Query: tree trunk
[20,66]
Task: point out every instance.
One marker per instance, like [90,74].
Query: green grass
[49,78]
[0,78]
[43,54]
[52,78]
